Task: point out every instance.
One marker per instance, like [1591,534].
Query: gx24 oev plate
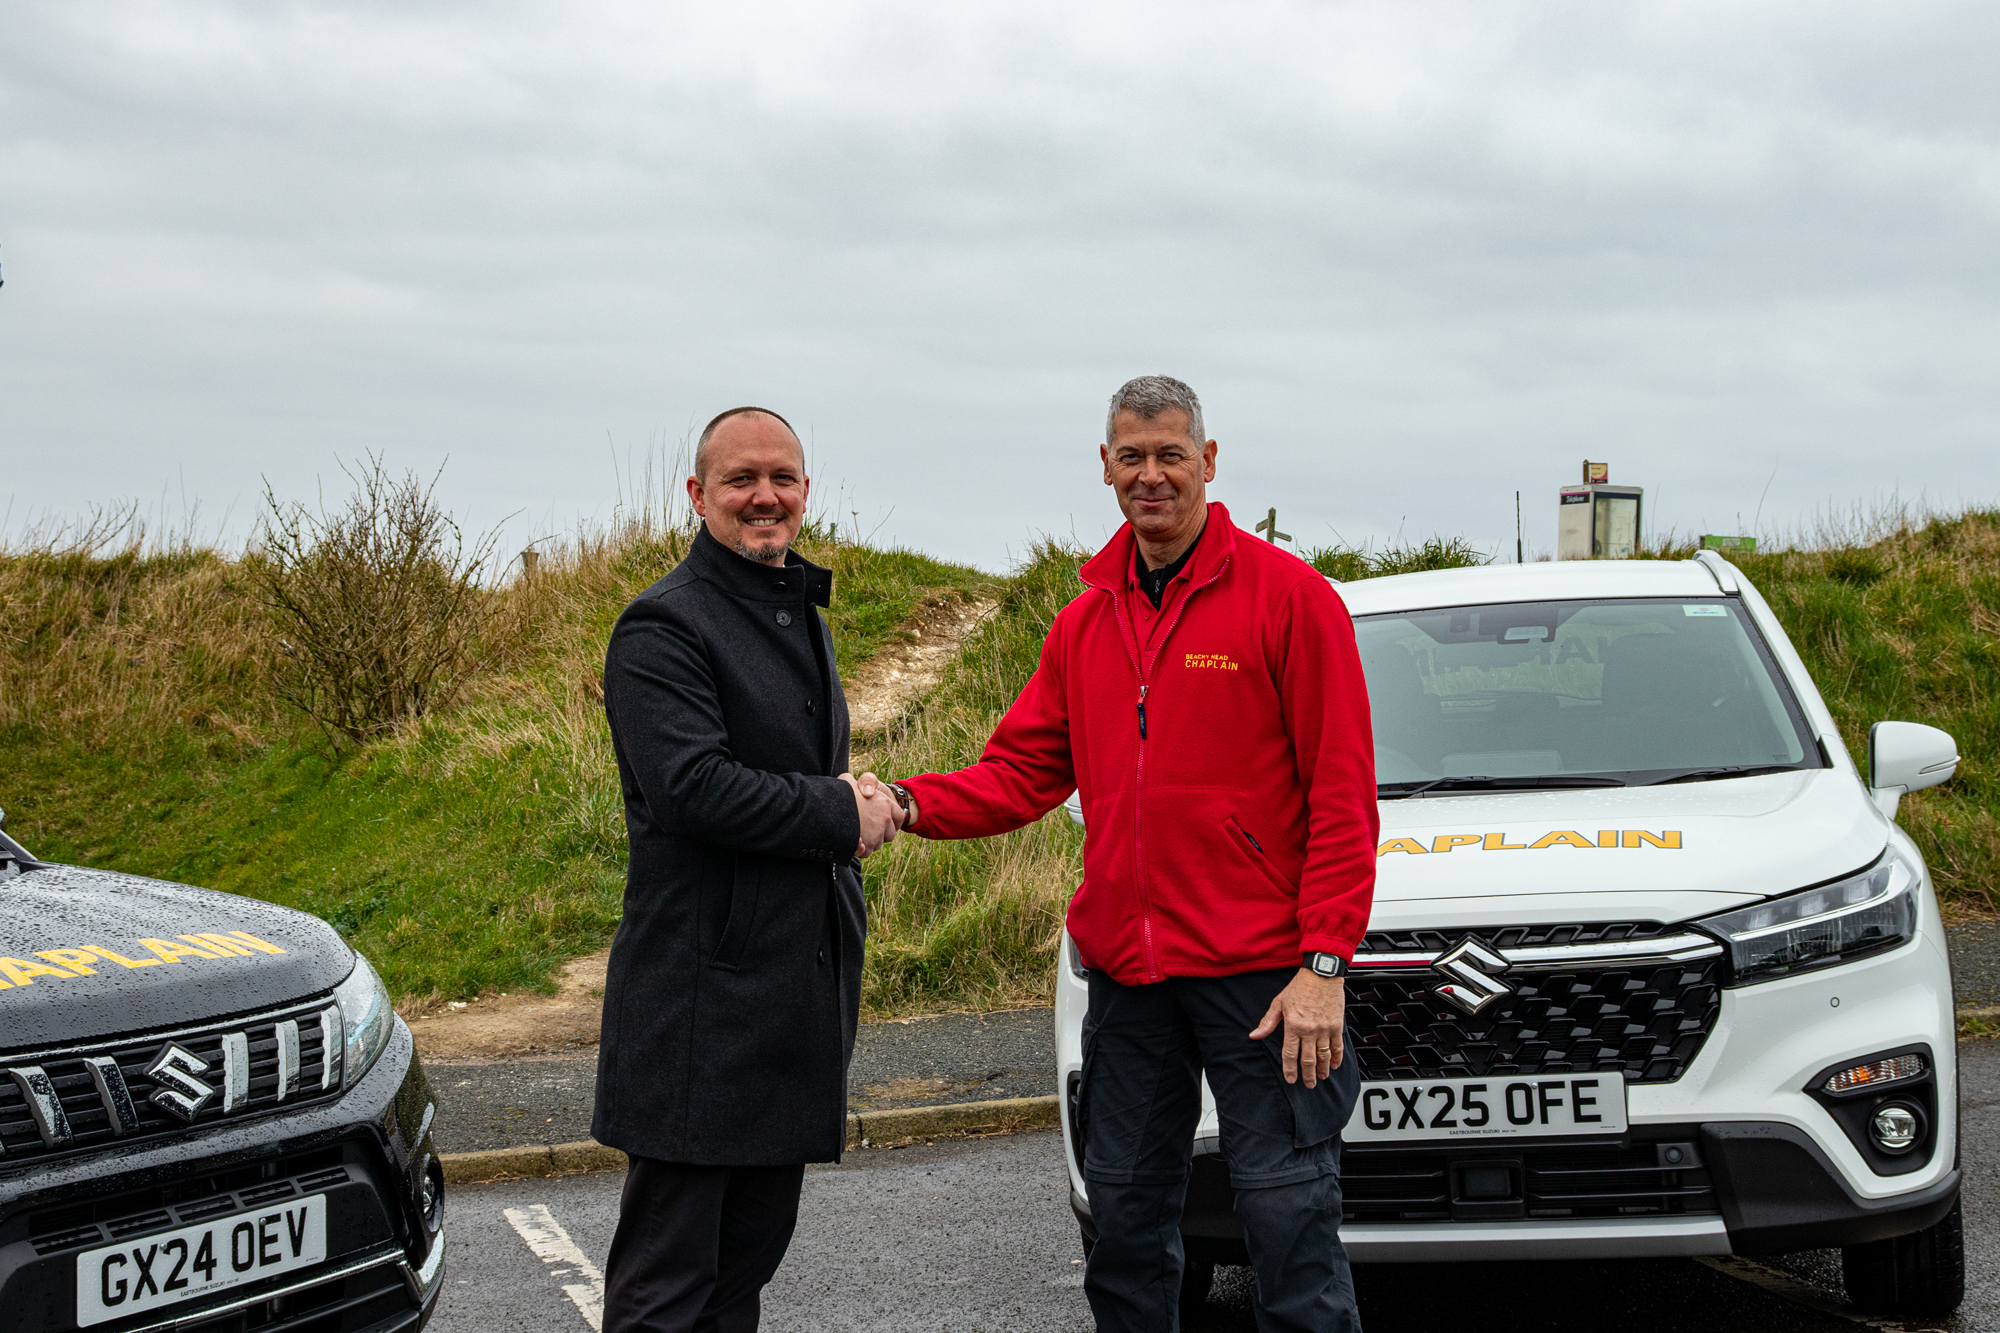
[201,1260]
[1482,1108]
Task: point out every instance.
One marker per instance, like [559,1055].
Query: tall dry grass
[107,637]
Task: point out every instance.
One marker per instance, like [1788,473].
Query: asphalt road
[976,1235]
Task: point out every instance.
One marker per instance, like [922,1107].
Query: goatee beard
[777,557]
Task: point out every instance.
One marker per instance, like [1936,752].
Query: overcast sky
[1413,256]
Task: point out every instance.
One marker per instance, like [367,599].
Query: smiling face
[1161,477]
[753,498]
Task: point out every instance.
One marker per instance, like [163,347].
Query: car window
[1626,688]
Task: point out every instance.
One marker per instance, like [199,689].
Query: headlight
[366,1019]
[1834,923]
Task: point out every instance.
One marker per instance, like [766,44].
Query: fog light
[430,1193]
[1895,1128]
[1893,1070]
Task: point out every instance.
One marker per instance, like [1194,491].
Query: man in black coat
[734,985]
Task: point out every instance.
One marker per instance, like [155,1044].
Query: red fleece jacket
[1223,750]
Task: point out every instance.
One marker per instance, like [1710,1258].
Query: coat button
[779,585]
[784,617]
[822,958]
[811,706]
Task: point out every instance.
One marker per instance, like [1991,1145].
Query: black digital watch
[1326,964]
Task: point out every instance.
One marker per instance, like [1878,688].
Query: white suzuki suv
[1651,970]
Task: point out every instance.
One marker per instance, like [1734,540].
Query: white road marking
[550,1243]
[1780,1283]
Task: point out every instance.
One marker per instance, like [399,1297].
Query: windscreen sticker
[1670,839]
[1703,609]
[88,959]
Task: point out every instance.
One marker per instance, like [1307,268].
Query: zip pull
[1142,712]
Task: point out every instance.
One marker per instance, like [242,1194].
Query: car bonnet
[87,954]
[1618,854]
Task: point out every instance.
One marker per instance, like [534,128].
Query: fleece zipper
[1129,633]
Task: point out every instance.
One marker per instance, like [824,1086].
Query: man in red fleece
[1204,695]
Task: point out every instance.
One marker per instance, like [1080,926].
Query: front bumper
[368,1151]
[1765,1189]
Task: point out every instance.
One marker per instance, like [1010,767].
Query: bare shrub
[377,606]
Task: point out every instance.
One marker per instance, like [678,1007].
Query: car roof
[1539,582]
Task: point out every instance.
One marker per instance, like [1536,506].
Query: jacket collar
[1111,568]
[798,579]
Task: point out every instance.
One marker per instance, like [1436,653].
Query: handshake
[882,815]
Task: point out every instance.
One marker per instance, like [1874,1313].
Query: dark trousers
[696,1244]
[1144,1051]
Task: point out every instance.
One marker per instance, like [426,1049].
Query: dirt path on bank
[507,1026]
[887,684]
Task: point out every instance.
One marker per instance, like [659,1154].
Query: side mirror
[1905,757]
[1075,806]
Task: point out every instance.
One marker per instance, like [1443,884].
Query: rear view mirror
[1905,757]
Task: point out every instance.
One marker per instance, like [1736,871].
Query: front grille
[1648,1019]
[1512,937]
[1628,1178]
[78,1226]
[55,1102]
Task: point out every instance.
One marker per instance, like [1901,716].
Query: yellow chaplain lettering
[76,960]
[1665,839]
[88,960]
[21,972]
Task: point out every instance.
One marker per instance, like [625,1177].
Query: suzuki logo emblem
[179,1092]
[1468,968]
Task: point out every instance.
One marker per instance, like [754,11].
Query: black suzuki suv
[210,1117]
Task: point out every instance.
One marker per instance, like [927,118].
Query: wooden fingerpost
[1269,527]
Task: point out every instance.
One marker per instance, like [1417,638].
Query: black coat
[735,977]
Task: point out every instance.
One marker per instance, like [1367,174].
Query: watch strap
[1326,964]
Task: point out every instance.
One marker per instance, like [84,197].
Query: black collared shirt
[1153,582]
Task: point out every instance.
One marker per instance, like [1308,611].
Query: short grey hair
[1148,396]
[708,431]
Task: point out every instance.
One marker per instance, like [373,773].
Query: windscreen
[1631,689]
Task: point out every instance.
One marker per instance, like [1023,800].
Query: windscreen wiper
[1396,791]
[1724,771]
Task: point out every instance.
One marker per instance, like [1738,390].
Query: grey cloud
[1413,256]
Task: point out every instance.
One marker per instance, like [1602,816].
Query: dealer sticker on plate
[168,1268]
[1501,1107]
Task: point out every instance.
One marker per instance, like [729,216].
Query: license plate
[201,1260]
[1502,1107]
